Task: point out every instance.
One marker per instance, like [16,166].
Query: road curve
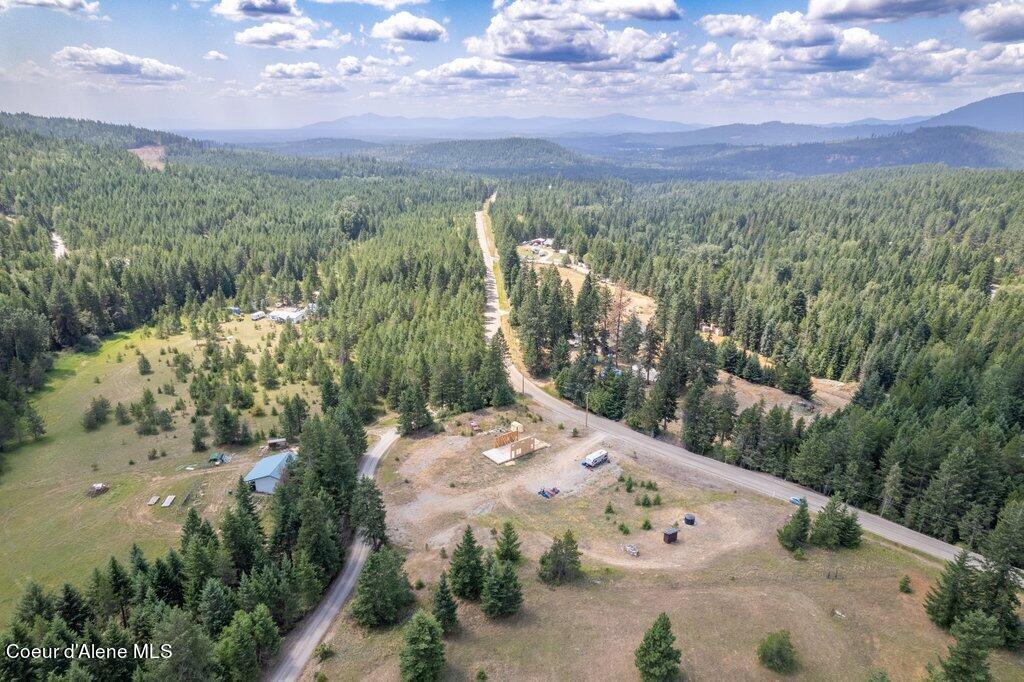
[755,481]
[298,646]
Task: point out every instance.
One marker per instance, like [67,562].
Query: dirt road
[297,648]
[649,447]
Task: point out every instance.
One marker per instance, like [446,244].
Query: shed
[275,443]
[269,471]
[257,316]
[671,535]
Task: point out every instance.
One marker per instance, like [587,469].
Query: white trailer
[595,459]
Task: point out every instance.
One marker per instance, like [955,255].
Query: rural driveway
[758,482]
[298,646]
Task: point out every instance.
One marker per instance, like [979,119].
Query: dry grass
[725,585]
[49,529]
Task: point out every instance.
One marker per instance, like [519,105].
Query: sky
[284,63]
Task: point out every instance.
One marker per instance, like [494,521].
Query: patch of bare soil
[829,396]
[151,156]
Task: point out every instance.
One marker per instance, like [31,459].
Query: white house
[269,471]
[293,315]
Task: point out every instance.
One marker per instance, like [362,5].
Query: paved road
[298,646]
[646,446]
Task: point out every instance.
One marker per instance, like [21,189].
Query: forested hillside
[507,156]
[908,281]
[249,226]
[390,259]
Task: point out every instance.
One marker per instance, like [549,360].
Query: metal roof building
[269,471]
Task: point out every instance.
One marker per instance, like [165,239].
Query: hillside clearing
[43,506]
[724,585]
[151,156]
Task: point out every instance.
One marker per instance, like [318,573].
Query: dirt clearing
[151,156]
[725,584]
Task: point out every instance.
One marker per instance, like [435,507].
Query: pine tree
[144,366]
[656,658]
[249,641]
[892,492]
[267,371]
[382,591]
[422,657]
[200,432]
[367,514]
[71,607]
[501,595]
[216,607]
[445,609]
[193,650]
[318,532]
[952,595]
[467,570]
[560,564]
[412,411]
[967,660]
[493,376]
[794,533]
[835,526]
[776,652]
[507,547]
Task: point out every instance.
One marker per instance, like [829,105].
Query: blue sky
[280,63]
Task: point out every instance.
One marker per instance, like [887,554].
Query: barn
[269,471]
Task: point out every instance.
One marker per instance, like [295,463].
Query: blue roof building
[269,471]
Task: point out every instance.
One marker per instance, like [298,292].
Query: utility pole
[586,409]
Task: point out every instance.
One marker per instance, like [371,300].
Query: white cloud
[215,56]
[295,35]
[884,10]
[406,26]
[349,66]
[107,61]
[301,70]
[997,60]
[788,42]
[547,31]
[239,10]
[469,68]
[730,25]
[618,10]
[389,5]
[69,6]
[1000,22]
[294,80]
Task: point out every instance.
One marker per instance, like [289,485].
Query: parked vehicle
[595,459]
[796,500]
[548,493]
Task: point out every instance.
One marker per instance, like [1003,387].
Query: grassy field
[49,528]
[725,585]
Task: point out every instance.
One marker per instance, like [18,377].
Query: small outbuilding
[671,535]
[269,471]
[257,316]
[277,443]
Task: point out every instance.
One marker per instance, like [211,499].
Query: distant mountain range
[1003,113]
[489,126]
[951,146]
